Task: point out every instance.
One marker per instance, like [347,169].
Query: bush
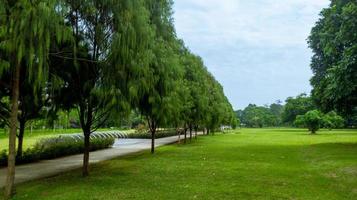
[311,120]
[299,121]
[50,148]
[147,135]
[332,120]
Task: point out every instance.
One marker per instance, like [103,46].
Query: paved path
[53,167]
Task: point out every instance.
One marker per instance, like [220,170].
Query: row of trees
[261,116]
[275,114]
[292,113]
[103,58]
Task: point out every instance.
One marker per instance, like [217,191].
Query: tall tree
[26,34]
[334,44]
[155,102]
[81,71]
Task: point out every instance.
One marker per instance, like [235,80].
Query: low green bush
[50,148]
[147,135]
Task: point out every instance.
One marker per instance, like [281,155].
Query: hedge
[50,148]
[147,135]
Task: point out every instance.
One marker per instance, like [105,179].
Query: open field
[245,164]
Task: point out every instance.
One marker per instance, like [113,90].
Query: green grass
[246,164]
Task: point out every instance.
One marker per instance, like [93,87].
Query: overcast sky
[255,48]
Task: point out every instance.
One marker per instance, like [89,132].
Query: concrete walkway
[53,167]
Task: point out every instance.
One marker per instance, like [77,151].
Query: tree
[311,120]
[259,116]
[296,106]
[163,71]
[94,77]
[277,110]
[334,44]
[28,27]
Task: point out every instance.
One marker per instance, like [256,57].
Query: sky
[257,49]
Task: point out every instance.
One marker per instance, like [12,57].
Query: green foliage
[332,120]
[311,120]
[300,121]
[296,106]
[334,44]
[50,148]
[259,116]
[27,34]
[158,134]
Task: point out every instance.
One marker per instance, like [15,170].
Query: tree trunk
[21,138]
[179,135]
[196,133]
[153,141]
[152,126]
[85,170]
[190,134]
[185,134]
[10,176]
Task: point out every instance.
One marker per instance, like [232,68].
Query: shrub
[141,128]
[311,120]
[50,148]
[332,120]
[299,121]
[147,135]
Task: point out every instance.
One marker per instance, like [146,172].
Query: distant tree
[311,120]
[296,106]
[259,116]
[334,44]
[277,110]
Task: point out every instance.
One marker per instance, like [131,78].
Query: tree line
[299,111]
[333,41]
[104,59]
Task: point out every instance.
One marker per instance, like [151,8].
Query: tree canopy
[334,45]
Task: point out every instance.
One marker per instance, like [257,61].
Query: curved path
[53,167]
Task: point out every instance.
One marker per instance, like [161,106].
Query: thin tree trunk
[190,133]
[10,176]
[185,139]
[179,136]
[196,133]
[85,170]
[153,141]
[21,138]
[152,126]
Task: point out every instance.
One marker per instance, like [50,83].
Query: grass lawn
[245,164]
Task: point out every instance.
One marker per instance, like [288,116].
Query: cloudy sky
[255,48]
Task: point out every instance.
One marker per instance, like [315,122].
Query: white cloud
[241,39]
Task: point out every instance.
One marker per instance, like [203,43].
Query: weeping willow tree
[27,30]
[106,73]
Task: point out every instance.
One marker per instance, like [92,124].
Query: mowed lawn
[245,164]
